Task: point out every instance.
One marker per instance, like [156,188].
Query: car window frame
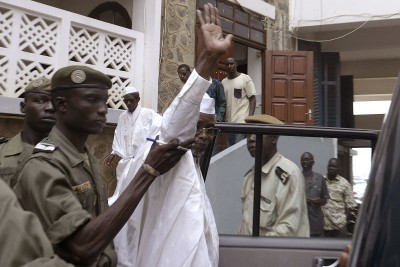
[260,129]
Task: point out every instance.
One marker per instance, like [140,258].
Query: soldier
[39,119]
[61,183]
[24,241]
[283,208]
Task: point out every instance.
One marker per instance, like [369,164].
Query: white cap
[130,90]
[207,105]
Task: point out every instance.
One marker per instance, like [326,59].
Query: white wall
[311,12]
[147,18]
[254,69]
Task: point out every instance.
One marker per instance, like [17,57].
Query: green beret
[40,85]
[263,118]
[77,76]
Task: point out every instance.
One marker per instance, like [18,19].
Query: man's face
[131,101]
[39,111]
[307,161]
[230,65]
[332,168]
[268,148]
[86,109]
[183,74]
[204,135]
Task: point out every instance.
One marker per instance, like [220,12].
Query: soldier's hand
[163,157]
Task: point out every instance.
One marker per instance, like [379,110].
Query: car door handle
[326,262]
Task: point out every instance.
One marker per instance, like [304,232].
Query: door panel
[288,94]
[273,251]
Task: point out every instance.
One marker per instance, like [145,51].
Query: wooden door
[288,92]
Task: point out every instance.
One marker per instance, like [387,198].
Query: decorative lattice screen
[37,41]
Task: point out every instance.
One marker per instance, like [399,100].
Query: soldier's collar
[266,168]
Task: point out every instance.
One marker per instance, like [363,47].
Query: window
[242,23]
[112,12]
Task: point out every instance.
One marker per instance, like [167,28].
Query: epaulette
[44,146]
[282,175]
[3,140]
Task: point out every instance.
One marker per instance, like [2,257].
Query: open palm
[210,26]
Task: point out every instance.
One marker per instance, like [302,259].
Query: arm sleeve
[289,206]
[180,119]
[221,102]
[118,142]
[349,197]
[23,236]
[43,189]
[324,190]
[250,88]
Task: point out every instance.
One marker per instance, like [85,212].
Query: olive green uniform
[64,189]
[23,241]
[13,154]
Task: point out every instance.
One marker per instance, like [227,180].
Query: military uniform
[283,208]
[24,242]
[13,154]
[64,189]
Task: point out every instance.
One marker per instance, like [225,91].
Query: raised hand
[210,25]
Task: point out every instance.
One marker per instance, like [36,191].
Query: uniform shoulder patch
[282,175]
[3,140]
[44,146]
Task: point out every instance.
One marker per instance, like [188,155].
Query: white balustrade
[36,40]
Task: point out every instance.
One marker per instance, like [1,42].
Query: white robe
[174,224]
[130,134]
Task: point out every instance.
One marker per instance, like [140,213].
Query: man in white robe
[134,125]
[174,225]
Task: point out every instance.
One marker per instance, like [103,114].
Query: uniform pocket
[84,192]
[267,212]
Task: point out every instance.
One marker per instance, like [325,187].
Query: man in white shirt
[240,96]
[134,125]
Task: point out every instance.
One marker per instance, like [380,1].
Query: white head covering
[207,105]
[130,90]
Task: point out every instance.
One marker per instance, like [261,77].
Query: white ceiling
[375,40]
